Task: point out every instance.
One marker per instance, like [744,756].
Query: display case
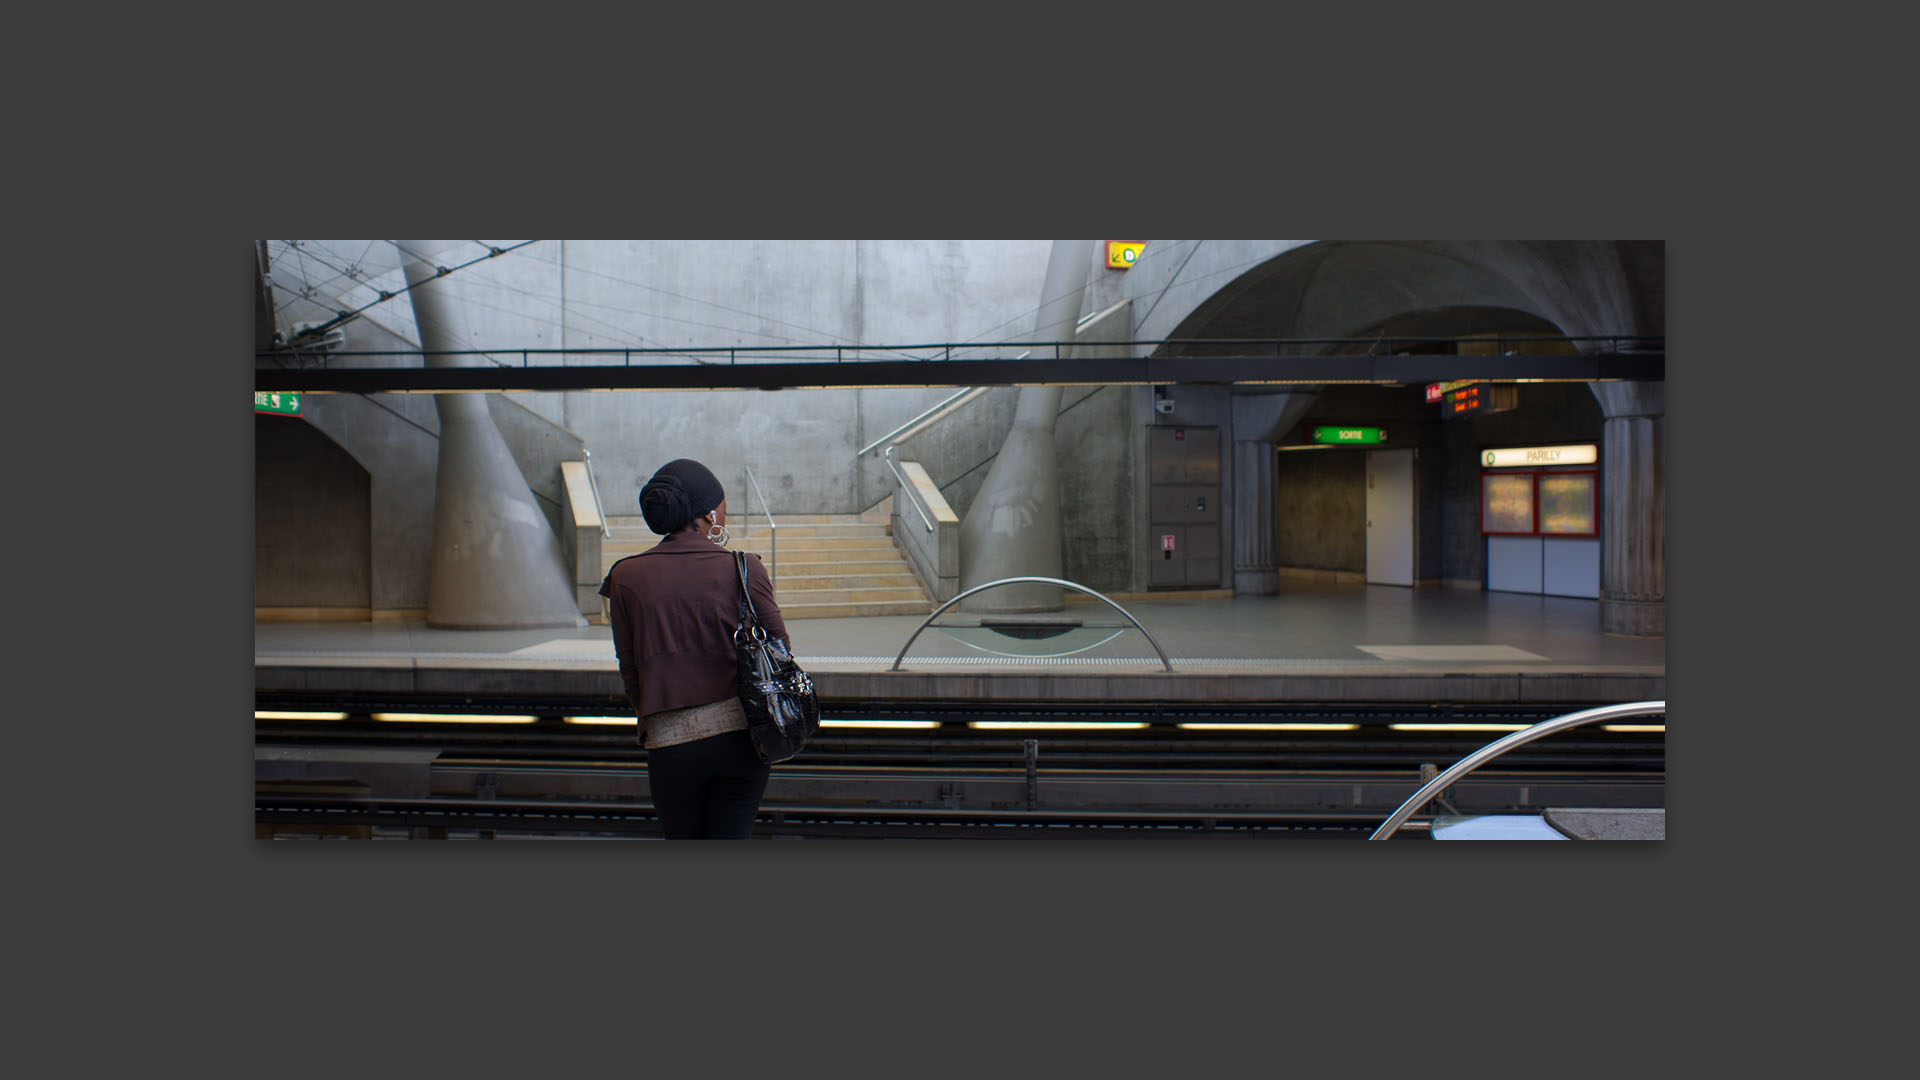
[1506,504]
[1567,503]
[1534,503]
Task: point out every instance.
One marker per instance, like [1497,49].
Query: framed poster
[1506,504]
[1568,503]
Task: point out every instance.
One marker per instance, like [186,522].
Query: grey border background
[172,924]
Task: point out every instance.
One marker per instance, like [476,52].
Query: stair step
[828,565]
[844,596]
[790,612]
[815,556]
[738,530]
[763,545]
[639,523]
[893,578]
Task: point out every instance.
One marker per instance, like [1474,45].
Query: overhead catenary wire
[566,309]
[622,332]
[442,271]
[834,338]
[569,309]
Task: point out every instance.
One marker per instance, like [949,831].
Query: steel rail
[773,528]
[1500,746]
[863,451]
[583,816]
[606,530]
[1168,664]
[907,487]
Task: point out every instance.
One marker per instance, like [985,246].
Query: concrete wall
[1293,288]
[312,536]
[1094,443]
[1321,510]
[745,293]
[801,445]
[394,440]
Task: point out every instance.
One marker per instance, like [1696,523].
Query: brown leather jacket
[672,610]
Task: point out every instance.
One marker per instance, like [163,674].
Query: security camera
[1164,405]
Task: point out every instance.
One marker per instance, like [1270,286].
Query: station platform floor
[1310,642]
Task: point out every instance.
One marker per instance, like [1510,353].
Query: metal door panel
[1203,560]
[1183,466]
[1185,504]
[1166,457]
[1570,566]
[1390,517]
[1513,564]
[1203,456]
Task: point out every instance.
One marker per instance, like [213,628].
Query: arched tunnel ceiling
[1339,289]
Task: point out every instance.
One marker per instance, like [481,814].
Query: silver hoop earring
[718,534]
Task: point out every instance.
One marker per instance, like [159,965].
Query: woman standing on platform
[673,610]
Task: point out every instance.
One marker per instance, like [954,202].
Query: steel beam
[1071,371]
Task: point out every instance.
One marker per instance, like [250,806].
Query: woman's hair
[682,490]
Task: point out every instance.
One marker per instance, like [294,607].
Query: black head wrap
[682,490]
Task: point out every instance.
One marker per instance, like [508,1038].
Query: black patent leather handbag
[778,698]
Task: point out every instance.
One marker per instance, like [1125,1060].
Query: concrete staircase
[829,565]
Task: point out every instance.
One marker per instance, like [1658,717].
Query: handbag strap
[749,618]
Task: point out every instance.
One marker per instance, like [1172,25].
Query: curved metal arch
[1500,746]
[1035,581]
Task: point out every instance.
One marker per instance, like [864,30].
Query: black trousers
[709,788]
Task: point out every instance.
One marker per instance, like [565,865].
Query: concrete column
[497,564]
[1259,422]
[1633,510]
[1012,527]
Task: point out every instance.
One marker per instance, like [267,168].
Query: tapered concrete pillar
[1259,422]
[496,563]
[1012,528]
[1633,510]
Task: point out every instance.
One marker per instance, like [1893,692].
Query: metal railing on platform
[1500,746]
[1168,664]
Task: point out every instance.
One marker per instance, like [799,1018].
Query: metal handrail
[773,528]
[955,398]
[907,487]
[1032,580]
[1500,746]
[606,530]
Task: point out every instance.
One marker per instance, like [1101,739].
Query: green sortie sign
[1350,436]
[275,401]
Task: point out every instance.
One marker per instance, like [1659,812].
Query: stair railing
[1500,746]
[913,498]
[773,528]
[606,531]
[926,418]
[914,427]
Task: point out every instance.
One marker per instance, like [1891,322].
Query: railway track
[548,777]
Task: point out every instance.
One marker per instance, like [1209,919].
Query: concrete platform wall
[801,445]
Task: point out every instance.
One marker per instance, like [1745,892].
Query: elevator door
[1390,517]
[1183,477]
